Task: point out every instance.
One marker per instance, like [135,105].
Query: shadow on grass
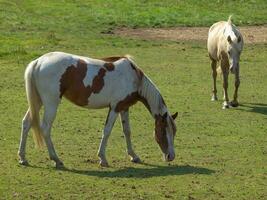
[154,171]
[254,107]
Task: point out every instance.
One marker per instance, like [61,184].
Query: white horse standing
[114,82]
[225,44]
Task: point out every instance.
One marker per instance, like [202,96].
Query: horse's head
[234,48]
[234,45]
[165,130]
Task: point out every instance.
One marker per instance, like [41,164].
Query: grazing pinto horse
[225,44]
[114,82]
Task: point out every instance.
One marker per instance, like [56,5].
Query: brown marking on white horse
[160,132]
[131,100]
[225,44]
[72,86]
[161,124]
[116,58]
[128,101]
[113,58]
[114,83]
[109,66]
[145,102]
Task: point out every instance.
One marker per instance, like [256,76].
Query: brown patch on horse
[112,58]
[130,100]
[127,102]
[139,72]
[145,102]
[109,66]
[98,81]
[160,132]
[72,86]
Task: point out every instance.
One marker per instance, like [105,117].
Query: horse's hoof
[214,98]
[103,163]
[23,162]
[234,104]
[225,107]
[136,160]
[59,165]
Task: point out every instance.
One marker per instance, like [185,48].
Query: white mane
[231,30]
[151,93]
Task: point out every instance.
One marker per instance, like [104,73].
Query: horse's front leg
[111,118]
[127,132]
[234,103]
[225,87]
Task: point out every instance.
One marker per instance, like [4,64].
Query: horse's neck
[151,97]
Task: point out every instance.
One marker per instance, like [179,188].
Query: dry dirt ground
[251,34]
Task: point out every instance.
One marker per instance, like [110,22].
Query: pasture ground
[221,154]
[251,34]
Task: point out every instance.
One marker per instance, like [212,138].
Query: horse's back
[85,81]
[117,84]
[217,37]
[48,71]
[217,26]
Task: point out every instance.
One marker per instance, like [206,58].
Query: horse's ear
[174,115]
[229,39]
[239,39]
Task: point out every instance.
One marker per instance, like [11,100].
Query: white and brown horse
[114,82]
[225,44]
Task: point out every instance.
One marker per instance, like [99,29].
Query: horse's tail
[34,102]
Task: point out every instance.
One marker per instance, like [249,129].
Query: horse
[225,44]
[114,82]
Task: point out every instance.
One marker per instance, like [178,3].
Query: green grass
[221,154]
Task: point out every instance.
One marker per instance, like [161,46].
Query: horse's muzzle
[169,157]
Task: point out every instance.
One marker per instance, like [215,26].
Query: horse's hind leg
[50,110]
[25,127]
[127,132]
[214,76]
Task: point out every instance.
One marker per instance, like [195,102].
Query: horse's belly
[97,101]
[108,97]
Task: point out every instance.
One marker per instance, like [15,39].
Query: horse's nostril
[169,157]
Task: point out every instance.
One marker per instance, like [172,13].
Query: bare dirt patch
[251,34]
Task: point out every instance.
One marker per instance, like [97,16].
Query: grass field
[220,154]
